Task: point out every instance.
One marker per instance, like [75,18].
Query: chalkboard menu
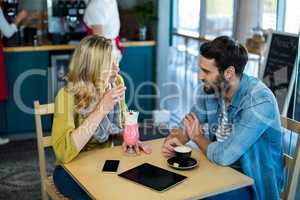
[297,89]
[279,67]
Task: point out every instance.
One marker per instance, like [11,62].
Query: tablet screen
[153,177]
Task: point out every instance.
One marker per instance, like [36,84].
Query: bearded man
[242,121]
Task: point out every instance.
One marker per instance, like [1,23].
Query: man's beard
[219,86]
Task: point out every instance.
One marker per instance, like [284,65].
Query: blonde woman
[88,109]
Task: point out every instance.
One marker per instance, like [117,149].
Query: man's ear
[229,73]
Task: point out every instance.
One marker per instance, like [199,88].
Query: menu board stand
[278,71]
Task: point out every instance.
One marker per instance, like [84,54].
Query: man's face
[210,75]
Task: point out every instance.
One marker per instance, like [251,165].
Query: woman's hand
[110,98]
[140,146]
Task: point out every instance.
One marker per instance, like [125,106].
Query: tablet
[153,177]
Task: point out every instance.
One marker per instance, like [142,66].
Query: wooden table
[205,180]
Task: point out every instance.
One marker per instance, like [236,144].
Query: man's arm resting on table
[194,131]
[202,143]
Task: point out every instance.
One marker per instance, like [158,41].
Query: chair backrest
[43,141]
[291,164]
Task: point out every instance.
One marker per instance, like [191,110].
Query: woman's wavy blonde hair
[89,70]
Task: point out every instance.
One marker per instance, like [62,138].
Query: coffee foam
[182,149]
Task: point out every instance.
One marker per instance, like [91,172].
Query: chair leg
[44,193]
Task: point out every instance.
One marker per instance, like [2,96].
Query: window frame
[202,19]
[281,16]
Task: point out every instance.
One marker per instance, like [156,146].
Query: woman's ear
[229,73]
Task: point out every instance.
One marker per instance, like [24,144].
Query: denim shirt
[255,142]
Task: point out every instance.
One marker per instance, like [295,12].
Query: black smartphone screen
[110,166]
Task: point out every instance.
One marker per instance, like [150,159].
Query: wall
[38,14]
[33,5]
[129,23]
[127,4]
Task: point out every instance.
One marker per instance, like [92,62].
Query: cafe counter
[70,46]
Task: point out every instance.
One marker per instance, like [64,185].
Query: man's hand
[168,147]
[193,127]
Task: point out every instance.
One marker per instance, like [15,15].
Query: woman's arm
[87,129]
[68,140]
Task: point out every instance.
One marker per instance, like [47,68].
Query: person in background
[243,119]
[7,30]
[102,18]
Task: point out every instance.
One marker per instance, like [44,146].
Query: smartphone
[111,166]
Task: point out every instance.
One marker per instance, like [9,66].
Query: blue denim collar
[239,93]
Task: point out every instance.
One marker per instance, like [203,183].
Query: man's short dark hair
[226,52]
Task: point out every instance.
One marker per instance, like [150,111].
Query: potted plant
[144,14]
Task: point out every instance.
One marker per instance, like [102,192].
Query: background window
[219,18]
[269,14]
[292,16]
[187,17]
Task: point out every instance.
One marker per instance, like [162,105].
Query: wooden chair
[291,164]
[47,185]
